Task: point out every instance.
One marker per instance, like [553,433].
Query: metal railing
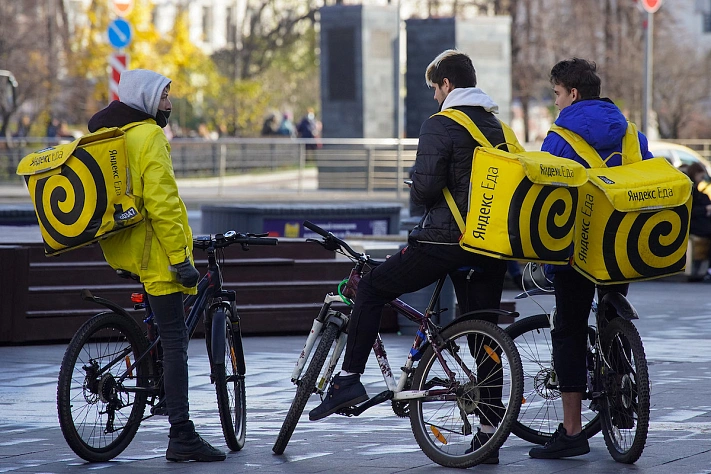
[342,164]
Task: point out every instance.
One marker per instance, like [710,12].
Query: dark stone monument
[487,40]
[358,46]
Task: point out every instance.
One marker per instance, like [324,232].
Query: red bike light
[137,297]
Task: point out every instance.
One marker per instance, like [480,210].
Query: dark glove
[188,275]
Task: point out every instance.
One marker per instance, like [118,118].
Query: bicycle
[112,369]
[469,368]
[618,380]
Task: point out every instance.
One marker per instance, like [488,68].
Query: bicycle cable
[346,300]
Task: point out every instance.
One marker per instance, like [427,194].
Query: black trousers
[413,268]
[170,316]
[573,298]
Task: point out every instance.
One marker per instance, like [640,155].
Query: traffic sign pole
[118,63]
[650,6]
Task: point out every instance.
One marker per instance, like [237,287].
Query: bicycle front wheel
[100,409]
[230,384]
[305,387]
[625,404]
[541,407]
[486,389]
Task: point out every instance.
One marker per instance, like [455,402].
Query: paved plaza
[675,327]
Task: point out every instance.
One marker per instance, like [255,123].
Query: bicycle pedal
[160,410]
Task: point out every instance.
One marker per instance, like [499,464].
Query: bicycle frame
[423,337]
[210,294]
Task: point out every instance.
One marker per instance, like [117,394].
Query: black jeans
[573,298]
[170,316]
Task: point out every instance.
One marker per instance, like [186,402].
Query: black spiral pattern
[530,206]
[60,194]
[630,225]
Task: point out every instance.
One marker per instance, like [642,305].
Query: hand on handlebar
[188,275]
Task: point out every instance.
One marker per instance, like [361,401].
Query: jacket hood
[116,114]
[470,96]
[598,121]
[141,89]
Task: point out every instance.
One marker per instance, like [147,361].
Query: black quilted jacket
[444,158]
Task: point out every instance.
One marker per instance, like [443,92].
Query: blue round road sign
[119,33]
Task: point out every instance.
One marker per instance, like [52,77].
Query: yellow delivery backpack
[632,220]
[521,204]
[81,190]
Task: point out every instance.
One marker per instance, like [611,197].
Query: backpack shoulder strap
[455,210]
[463,119]
[580,146]
[630,145]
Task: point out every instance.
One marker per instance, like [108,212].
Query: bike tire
[83,399]
[438,425]
[306,387]
[541,408]
[625,404]
[230,384]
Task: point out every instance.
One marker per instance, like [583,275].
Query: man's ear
[574,94]
[447,85]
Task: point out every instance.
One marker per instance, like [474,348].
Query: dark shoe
[186,445]
[480,440]
[344,392]
[706,278]
[562,446]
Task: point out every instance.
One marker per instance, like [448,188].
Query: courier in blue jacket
[602,125]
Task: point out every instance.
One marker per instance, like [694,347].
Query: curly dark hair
[579,74]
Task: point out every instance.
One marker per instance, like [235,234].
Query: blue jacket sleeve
[644,147]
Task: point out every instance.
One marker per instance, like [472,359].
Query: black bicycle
[112,368]
[618,380]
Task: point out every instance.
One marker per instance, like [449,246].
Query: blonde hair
[457,68]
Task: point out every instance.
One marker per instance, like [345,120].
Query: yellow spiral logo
[70,204]
[645,244]
[541,221]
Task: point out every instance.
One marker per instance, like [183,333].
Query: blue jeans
[170,316]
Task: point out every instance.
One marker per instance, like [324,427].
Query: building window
[206,24]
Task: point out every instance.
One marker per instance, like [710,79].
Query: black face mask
[162,118]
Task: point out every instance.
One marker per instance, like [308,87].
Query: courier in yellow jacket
[159,248]
[163,239]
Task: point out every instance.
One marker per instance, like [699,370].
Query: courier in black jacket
[444,159]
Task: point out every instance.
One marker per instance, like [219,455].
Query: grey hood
[141,89]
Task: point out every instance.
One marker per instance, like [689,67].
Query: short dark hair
[453,65]
[577,74]
[694,168]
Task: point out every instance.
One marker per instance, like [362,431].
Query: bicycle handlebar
[230,237]
[330,241]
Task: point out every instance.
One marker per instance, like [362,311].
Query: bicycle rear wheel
[305,387]
[487,388]
[541,407]
[625,406]
[99,414]
[230,384]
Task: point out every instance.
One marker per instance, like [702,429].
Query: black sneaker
[480,440]
[562,446]
[344,392]
[186,445]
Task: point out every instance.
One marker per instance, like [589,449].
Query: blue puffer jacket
[601,124]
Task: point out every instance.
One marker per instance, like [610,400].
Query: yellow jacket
[164,237]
